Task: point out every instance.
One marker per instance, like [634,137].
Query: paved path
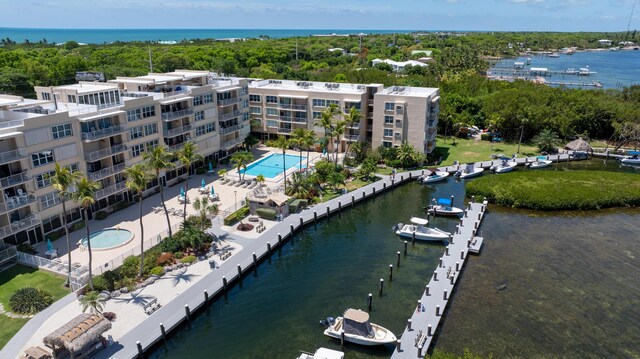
[430,307]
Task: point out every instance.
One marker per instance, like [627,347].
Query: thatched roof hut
[578,145]
[78,334]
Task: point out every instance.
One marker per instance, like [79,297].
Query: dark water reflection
[572,285]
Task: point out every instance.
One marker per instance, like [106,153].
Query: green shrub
[26,248]
[165,259]
[54,235]
[157,271]
[486,137]
[129,283]
[121,205]
[236,216]
[30,300]
[76,226]
[101,283]
[266,213]
[130,267]
[100,215]
[151,258]
[189,259]
[179,255]
[201,170]
[172,244]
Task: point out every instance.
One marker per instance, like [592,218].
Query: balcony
[16,202]
[229,101]
[293,119]
[176,147]
[284,130]
[351,138]
[19,225]
[103,133]
[12,156]
[168,116]
[105,192]
[230,115]
[231,143]
[105,152]
[109,105]
[433,123]
[354,125]
[229,129]
[177,131]
[14,180]
[105,172]
[293,107]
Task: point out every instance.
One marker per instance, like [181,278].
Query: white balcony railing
[231,143]
[177,131]
[229,101]
[105,152]
[118,187]
[11,156]
[229,129]
[16,202]
[14,179]
[98,175]
[21,224]
[105,132]
[293,107]
[230,115]
[293,119]
[168,116]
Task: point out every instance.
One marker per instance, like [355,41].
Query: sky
[471,15]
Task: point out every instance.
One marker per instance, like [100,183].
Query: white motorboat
[469,171]
[422,232]
[322,353]
[434,176]
[443,207]
[504,166]
[540,162]
[632,159]
[358,330]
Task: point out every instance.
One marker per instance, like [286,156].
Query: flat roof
[87,87]
[307,86]
[409,91]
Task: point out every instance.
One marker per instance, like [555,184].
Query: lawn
[471,150]
[555,190]
[18,277]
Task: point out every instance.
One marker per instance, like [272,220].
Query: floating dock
[428,312]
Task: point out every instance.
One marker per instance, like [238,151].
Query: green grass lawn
[18,277]
[470,150]
[558,190]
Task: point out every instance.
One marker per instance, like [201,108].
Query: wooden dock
[430,307]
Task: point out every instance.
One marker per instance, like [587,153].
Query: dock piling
[140,352]
[429,330]
[437,310]
[224,286]
[398,255]
[315,216]
[453,279]
[426,291]
[398,344]
[381,286]
[444,296]
[461,254]
[239,272]
[255,261]
[457,266]
[301,221]
[342,337]
[291,230]
[187,313]
[370,301]
[328,211]
[446,250]
[435,276]
[339,206]
[390,272]
[163,333]
[440,263]
[353,200]
[413,237]
[269,247]
[279,239]
[409,324]
[405,247]
[420,351]
[206,299]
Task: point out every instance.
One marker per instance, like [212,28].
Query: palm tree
[137,179]
[62,180]
[297,139]
[222,173]
[204,208]
[94,301]
[309,140]
[338,131]
[325,121]
[405,154]
[188,155]
[354,116]
[299,187]
[84,195]
[283,143]
[159,159]
[240,160]
[547,140]
[260,179]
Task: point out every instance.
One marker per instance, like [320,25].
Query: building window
[388,132]
[71,98]
[49,200]
[137,150]
[150,129]
[134,115]
[255,110]
[272,99]
[198,116]
[316,114]
[51,224]
[387,144]
[245,90]
[255,98]
[46,96]
[245,116]
[245,103]
[197,101]
[389,106]
[42,158]
[333,102]
[151,145]
[398,123]
[148,111]
[136,132]
[272,123]
[208,98]
[61,131]
[44,180]
[272,111]
[318,102]
[388,120]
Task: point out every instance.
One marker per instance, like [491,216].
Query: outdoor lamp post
[235,198]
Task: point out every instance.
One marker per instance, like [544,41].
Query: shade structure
[49,245]
[210,166]
[182,191]
[203,184]
[578,145]
[212,190]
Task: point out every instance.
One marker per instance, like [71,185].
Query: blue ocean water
[614,69]
[101,36]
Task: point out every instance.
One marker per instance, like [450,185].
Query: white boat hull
[476,172]
[382,335]
[540,164]
[423,233]
[439,176]
[504,168]
[630,161]
[445,211]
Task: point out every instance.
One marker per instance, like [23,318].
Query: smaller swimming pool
[272,165]
[108,239]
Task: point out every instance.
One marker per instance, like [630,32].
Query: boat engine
[457,174]
[327,322]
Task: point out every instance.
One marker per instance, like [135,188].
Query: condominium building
[101,129]
[390,116]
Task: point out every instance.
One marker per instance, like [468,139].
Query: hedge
[266,213]
[236,216]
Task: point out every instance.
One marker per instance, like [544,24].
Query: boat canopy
[419,221]
[444,201]
[542,158]
[357,322]
[634,153]
[471,167]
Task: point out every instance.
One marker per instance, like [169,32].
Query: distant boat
[571,71]
[505,166]
[469,171]
[540,162]
[421,231]
[434,176]
[632,159]
[584,71]
[322,353]
[554,55]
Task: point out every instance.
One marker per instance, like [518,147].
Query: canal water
[571,285]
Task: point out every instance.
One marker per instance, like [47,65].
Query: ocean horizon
[102,36]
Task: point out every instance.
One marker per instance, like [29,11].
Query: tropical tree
[62,180]
[338,130]
[326,121]
[308,141]
[137,178]
[240,161]
[354,116]
[260,179]
[367,168]
[298,141]
[300,187]
[283,143]
[405,154]
[204,208]
[523,120]
[93,301]
[547,141]
[188,155]
[222,173]
[159,159]
[336,179]
[84,196]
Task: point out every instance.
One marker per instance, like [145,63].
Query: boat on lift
[443,207]
[469,171]
[358,330]
[504,166]
[418,227]
[540,162]
[434,176]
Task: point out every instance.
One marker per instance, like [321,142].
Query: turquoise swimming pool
[272,165]
[108,238]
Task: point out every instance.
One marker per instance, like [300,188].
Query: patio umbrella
[49,245]
[210,166]
[203,184]
[212,191]
[181,191]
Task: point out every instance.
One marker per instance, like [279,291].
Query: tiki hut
[578,145]
[79,336]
